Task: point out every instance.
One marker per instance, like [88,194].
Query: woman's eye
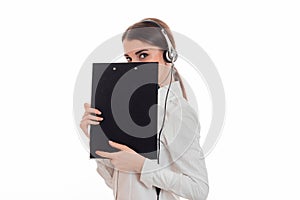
[143,55]
[128,59]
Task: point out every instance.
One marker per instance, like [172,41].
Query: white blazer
[181,171]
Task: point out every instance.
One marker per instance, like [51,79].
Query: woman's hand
[89,119]
[124,160]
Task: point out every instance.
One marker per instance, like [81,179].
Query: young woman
[181,171]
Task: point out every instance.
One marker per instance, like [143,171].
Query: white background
[254,45]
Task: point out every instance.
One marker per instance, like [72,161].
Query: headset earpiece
[169,55]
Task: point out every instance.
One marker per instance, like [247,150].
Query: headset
[170,56]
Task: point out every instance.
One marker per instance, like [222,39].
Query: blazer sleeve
[105,169]
[190,179]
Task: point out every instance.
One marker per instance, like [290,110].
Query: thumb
[86,106]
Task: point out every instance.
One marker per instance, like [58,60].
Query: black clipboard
[126,94]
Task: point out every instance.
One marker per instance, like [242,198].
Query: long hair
[153,36]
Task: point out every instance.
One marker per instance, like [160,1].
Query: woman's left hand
[124,160]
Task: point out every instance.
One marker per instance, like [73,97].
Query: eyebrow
[136,53]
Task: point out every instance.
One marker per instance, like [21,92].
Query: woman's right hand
[89,119]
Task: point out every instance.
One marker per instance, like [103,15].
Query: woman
[181,171]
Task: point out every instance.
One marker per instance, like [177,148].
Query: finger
[105,154]
[93,110]
[92,117]
[84,123]
[92,122]
[88,109]
[86,106]
[120,146]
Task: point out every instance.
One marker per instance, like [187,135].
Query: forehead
[132,46]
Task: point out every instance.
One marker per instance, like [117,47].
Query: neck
[167,81]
